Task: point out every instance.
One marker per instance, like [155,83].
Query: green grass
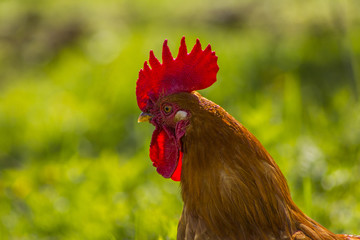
[74,162]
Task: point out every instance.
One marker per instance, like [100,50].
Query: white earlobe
[180,115]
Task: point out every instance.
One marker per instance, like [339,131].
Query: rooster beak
[144,117]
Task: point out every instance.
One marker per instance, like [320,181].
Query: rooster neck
[231,182]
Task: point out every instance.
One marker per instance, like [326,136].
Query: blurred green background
[74,162]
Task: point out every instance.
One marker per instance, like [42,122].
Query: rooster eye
[167,109]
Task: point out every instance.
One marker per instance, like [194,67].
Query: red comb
[187,72]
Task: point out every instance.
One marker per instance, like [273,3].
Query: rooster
[230,185]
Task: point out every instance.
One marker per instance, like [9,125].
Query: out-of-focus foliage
[73,161]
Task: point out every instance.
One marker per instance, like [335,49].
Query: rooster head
[186,73]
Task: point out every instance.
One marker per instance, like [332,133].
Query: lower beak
[144,117]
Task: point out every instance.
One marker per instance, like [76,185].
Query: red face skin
[189,71]
[165,147]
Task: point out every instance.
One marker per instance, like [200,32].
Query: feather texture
[231,186]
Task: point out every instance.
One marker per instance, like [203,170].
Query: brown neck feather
[231,182]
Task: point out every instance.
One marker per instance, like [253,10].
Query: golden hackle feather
[231,186]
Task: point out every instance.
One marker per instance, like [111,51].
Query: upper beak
[144,117]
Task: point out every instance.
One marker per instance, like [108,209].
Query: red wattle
[177,173]
[164,152]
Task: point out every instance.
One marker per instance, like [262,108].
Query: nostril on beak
[144,117]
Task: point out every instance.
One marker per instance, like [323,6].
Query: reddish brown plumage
[230,185]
